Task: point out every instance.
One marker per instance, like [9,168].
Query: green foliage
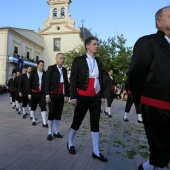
[113,53]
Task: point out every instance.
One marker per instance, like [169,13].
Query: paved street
[25,147]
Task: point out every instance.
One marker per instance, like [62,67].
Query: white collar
[90,57]
[167,38]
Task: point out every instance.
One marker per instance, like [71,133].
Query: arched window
[55,13]
[62,12]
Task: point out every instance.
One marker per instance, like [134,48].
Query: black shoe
[110,116]
[19,112]
[139,121]
[45,125]
[24,116]
[106,112]
[13,107]
[140,167]
[101,157]
[16,109]
[125,119]
[34,123]
[71,150]
[49,137]
[10,102]
[58,135]
[31,118]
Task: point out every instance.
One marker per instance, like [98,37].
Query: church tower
[59,32]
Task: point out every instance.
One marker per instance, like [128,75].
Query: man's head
[110,72]
[18,73]
[24,70]
[162,19]
[40,65]
[29,69]
[91,45]
[60,59]
[14,75]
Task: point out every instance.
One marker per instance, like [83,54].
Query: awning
[14,59]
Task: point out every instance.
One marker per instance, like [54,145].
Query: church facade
[58,35]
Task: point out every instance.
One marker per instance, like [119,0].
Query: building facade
[58,35]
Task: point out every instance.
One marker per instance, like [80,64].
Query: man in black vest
[109,88]
[86,89]
[16,80]
[36,92]
[149,83]
[11,87]
[23,89]
[56,87]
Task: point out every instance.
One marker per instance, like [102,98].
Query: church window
[28,55]
[55,13]
[57,44]
[15,50]
[62,12]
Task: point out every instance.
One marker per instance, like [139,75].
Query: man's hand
[74,102]
[66,99]
[20,94]
[48,99]
[102,101]
[29,97]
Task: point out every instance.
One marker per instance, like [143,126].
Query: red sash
[60,89]
[90,91]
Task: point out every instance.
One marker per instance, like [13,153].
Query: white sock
[13,104]
[147,166]
[33,115]
[56,126]
[10,99]
[27,109]
[125,115]
[23,110]
[140,117]
[16,102]
[95,139]
[108,109]
[44,117]
[71,137]
[19,107]
[50,126]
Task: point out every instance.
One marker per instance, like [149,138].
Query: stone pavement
[25,147]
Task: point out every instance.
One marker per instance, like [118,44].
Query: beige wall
[68,42]
[3,56]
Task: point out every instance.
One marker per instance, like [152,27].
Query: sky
[105,18]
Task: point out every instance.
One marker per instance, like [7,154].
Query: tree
[113,53]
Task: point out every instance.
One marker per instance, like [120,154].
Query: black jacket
[108,82]
[16,82]
[53,80]
[34,81]
[11,85]
[23,83]
[80,75]
[150,68]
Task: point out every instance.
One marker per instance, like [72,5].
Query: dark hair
[89,39]
[40,61]
[110,69]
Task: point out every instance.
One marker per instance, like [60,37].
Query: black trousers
[157,128]
[16,95]
[24,99]
[38,98]
[12,94]
[55,106]
[109,97]
[93,103]
[129,104]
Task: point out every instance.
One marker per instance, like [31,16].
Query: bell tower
[59,13]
